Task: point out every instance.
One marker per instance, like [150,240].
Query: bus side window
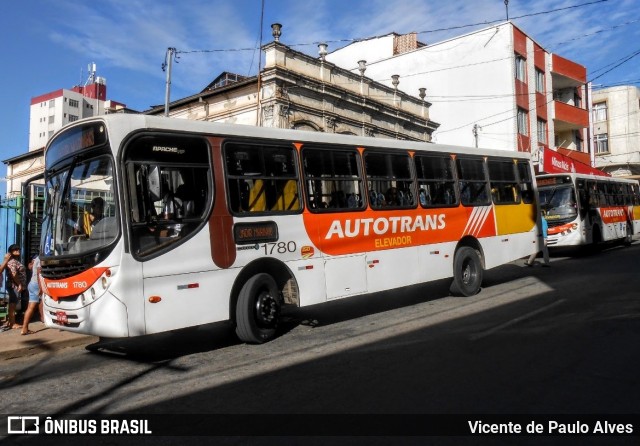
[525,181]
[332,178]
[503,182]
[261,178]
[168,194]
[436,180]
[389,179]
[472,181]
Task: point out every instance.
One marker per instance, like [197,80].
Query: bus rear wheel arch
[258,310]
[467,272]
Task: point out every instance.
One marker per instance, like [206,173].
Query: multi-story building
[50,112]
[495,88]
[299,91]
[616,130]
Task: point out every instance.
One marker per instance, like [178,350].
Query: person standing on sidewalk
[5,261]
[35,293]
[544,226]
[15,283]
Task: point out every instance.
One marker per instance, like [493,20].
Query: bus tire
[257,310]
[467,272]
[596,241]
[628,239]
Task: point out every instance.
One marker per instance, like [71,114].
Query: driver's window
[169,190]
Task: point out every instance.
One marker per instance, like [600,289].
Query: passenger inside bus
[90,217]
[425,199]
[338,199]
[391,197]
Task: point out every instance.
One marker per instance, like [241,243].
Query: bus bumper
[566,238]
[65,315]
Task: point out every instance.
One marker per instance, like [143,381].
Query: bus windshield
[81,214]
[559,202]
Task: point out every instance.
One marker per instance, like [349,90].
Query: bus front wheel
[467,272]
[258,310]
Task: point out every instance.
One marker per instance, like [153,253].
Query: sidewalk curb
[44,346]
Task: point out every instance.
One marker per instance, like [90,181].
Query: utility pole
[167,65]
[476,127]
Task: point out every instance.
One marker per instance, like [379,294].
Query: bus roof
[126,123]
[586,176]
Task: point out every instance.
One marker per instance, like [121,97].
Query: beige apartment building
[616,130]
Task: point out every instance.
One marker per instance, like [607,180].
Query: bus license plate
[61,317]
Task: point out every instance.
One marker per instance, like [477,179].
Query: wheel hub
[467,274]
[267,310]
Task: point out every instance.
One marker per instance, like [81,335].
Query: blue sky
[47,45]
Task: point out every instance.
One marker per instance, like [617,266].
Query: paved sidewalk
[42,340]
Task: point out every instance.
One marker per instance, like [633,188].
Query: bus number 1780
[280,247]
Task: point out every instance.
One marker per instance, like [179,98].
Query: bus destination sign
[75,140]
[550,181]
[258,232]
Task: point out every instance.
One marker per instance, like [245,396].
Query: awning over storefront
[555,162]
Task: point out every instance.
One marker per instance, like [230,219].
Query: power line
[600,31]
[513,18]
[624,60]
[360,39]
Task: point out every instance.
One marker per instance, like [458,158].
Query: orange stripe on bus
[74,285]
[355,232]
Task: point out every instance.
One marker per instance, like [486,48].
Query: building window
[523,121]
[542,131]
[539,81]
[73,103]
[521,68]
[72,118]
[602,143]
[600,112]
[577,138]
[577,100]
[52,119]
[52,103]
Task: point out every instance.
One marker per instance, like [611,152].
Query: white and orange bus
[206,222]
[589,210]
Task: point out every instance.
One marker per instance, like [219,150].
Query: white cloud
[134,34]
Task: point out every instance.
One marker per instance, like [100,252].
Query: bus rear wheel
[467,272]
[628,239]
[258,310]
